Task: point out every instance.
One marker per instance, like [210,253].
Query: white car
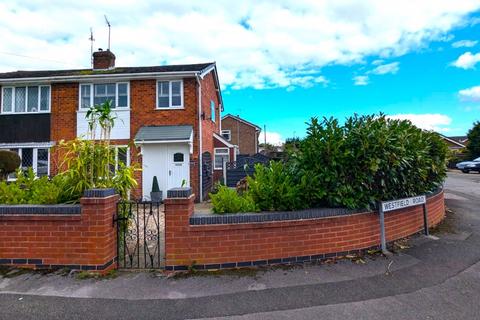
[467,166]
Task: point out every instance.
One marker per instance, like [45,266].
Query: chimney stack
[103,60]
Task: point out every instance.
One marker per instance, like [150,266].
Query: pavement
[431,279]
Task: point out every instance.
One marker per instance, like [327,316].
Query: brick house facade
[242,133]
[166,98]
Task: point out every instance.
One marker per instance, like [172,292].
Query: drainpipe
[200,146]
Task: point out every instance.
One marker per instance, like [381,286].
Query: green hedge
[368,159]
[353,165]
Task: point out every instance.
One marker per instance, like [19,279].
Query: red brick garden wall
[243,244]
[85,241]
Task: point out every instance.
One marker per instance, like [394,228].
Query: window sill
[171,108]
[113,110]
[16,113]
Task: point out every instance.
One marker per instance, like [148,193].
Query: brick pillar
[100,237]
[179,206]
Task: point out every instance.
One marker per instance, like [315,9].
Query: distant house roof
[149,134]
[181,68]
[461,139]
[453,141]
[241,120]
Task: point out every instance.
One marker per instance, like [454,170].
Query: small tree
[473,146]
[9,162]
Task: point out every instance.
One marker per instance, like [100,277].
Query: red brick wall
[86,241]
[63,124]
[233,243]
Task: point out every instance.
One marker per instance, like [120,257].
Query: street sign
[403,203]
[386,206]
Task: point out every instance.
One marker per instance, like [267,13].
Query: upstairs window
[227,134]
[170,94]
[26,99]
[93,94]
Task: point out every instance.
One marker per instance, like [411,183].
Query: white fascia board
[118,77]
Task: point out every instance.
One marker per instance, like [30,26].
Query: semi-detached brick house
[170,113]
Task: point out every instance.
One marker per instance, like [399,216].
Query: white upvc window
[222,155]
[170,94]
[122,155]
[227,134]
[25,99]
[36,158]
[97,93]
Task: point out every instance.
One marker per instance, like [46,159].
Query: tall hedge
[367,159]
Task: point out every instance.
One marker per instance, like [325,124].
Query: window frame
[26,86]
[213,111]
[34,159]
[120,146]
[92,94]
[170,107]
[215,153]
[229,134]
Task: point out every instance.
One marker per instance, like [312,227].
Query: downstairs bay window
[36,158]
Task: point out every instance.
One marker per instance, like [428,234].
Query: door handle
[169,172]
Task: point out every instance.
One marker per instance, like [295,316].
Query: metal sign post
[386,206]
[383,240]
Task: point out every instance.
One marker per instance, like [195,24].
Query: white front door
[170,163]
[178,166]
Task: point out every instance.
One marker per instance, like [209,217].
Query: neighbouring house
[242,133]
[168,118]
[455,143]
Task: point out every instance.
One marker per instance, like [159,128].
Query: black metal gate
[141,235]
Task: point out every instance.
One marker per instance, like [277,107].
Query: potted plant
[156,194]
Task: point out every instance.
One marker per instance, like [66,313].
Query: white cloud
[470,94]
[256,44]
[391,68]
[467,60]
[274,138]
[464,43]
[360,80]
[428,121]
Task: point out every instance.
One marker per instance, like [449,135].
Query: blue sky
[280,62]
[425,89]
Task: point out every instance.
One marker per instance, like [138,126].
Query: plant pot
[156,196]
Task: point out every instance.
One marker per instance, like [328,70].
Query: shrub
[227,200]
[473,146]
[27,189]
[88,165]
[368,159]
[272,188]
[9,162]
